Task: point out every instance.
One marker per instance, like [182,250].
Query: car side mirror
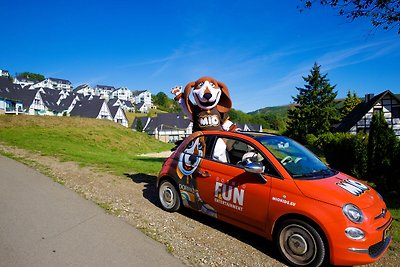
[254,167]
[257,168]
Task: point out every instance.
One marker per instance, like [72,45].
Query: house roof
[136,93]
[163,121]
[81,87]
[57,80]
[87,108]
[23,79]
[66,102]
[359,111]
[50,98]
[139,105]
[11,91]
[7,89]
[127,103]
[105,87]
[249,127]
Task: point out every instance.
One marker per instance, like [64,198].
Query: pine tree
[139,125]
[349,104]
[314,111]
[382,145]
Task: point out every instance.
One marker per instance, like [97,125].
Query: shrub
[343,151]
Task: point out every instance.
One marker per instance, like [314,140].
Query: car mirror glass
[253,167]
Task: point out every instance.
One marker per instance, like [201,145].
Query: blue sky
[259,49]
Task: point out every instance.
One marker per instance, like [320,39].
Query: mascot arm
[177,91]
[230,126]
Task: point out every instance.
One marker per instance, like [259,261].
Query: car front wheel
[301,244]
[169,196]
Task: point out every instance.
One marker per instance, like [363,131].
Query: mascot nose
[192,159]
[207,96]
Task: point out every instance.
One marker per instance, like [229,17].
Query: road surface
[43,223]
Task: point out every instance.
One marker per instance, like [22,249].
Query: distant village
[58,97]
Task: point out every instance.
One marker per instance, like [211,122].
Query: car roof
[250,134]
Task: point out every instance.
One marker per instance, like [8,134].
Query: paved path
[45,224]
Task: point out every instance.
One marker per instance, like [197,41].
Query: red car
[273,186]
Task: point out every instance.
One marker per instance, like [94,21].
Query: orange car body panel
[235,196]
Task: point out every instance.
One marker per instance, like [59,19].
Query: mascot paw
[177,90]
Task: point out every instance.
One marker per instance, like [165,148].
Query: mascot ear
[186,94]
[225,102]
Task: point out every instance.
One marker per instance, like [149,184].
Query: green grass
[393,204]
[103,144]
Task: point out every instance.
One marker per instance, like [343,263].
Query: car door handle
[204,174]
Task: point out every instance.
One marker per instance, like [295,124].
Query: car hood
[338,190]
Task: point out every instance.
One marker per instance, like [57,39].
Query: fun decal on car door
[189,161]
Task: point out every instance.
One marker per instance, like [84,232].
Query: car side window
[237,153]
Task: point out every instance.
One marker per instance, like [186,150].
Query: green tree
[382,13]
[163,102]
[139,125]
[315,111]
[351,101]
[31,75]
[382,150]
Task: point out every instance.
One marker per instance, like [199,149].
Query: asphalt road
[43,223]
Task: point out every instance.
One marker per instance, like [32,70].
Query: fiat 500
[274,187]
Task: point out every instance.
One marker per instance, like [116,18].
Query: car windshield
[295,158]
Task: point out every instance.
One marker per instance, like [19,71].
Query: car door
[227,189]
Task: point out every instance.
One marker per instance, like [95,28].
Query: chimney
[368,97]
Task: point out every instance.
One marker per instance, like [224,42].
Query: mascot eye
[212,84]
[201,83]
[190,145]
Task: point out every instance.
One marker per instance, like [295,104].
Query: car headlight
[353,213]
[354,233]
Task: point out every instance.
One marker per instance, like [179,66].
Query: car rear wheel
[301,244]
[169,196]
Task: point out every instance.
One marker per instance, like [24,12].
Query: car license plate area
[387,231]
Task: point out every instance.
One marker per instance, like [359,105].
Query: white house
[92,107]
[9,102]
[122,93]
[54,83]
[167,127]
[4,73]
[85,89]
[142,107]
[104,91]
[142,97]
[359,119]
[24,81]
[118,114]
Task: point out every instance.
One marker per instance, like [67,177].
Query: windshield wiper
[316,174]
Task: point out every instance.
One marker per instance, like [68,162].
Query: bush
[343,151]
[383,154]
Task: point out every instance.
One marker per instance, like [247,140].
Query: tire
[169,197]
[301,244]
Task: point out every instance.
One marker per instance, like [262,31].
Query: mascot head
[208,93]
[190,158]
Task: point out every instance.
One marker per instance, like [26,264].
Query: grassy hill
[103,144]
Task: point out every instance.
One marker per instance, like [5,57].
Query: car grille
[376,250]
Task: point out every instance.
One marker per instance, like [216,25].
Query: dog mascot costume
[211,110]
[212,104]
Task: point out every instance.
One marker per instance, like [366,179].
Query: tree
[139,125]
[163,102]
[349,104]
[31,75]
[383,13]
[382,150]
[315,111]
